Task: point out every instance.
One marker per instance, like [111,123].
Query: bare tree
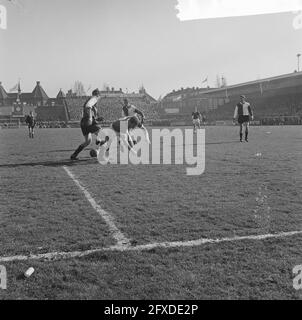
[78,89]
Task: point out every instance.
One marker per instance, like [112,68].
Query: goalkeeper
[89,124]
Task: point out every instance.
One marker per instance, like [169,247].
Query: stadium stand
[264,107]
[7,122]
[278,98]
[53,113]
[110,107]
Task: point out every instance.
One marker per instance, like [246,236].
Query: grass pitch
[241,193]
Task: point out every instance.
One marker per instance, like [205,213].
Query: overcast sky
[129,43]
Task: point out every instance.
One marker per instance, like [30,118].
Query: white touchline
[145,247]
[116,233]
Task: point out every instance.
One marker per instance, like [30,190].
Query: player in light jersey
[130,110]
[243,114]
[89,123]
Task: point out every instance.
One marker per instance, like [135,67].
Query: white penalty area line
[107,217]
[52,256]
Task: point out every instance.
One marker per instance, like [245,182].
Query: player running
[89,123]
[130,110]
[31,123]
[196,118]
[243,113]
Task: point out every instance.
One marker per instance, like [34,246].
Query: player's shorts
[243,119]
[31,126]
[196,122]
[86,129]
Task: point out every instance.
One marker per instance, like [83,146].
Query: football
[93,153]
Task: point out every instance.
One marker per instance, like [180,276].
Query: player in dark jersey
[196,118]
[243,113]
[31,123]
[89,124]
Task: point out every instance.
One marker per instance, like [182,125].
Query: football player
[89,124]
[196,118]
[31,123]
[128,124]
[130,110]
[243,114]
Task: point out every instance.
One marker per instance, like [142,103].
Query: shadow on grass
[222,142]
[54,164]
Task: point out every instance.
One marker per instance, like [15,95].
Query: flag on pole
[205,80]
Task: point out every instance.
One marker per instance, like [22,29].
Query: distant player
[130,110]
[196,118]
[31,123]
[243,114]
[89,123]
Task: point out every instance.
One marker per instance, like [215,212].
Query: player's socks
[76,153]
[246,137]
[241,135]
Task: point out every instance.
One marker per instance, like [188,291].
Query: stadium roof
[259,81]
[3,94]
[292,76]
[39,92]
[25,96]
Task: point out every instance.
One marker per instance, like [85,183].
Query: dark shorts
[243,119]
[31,126]
[89,128]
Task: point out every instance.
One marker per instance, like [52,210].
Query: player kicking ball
[196,118]
[89,123]
[243,114]
[31,123]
